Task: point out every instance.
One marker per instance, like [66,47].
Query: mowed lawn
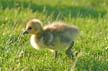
[91,16]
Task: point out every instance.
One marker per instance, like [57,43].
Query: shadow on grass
[63,11]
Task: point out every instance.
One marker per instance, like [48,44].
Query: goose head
[33,26]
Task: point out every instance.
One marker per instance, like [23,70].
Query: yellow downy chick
[55,36]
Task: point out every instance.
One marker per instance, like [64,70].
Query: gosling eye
[29,28]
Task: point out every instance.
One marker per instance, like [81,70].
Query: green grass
[16,53]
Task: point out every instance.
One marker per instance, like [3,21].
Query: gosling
[55,36]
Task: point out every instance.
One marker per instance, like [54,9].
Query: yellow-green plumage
[54,36]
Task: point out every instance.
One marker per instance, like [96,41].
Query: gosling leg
[68,51]
[55,54]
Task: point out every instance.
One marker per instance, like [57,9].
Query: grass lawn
[91,16]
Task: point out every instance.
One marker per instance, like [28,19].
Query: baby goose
[55,36]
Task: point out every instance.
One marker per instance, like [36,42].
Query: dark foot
[69,53]
[55,54]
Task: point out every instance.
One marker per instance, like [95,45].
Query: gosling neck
[39,34]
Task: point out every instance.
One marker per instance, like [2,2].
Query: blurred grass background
[91,16]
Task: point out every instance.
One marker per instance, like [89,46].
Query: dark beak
[25,32]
